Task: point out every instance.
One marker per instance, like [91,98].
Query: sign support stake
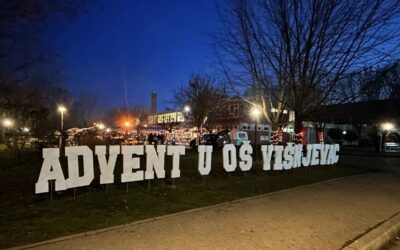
[51,190]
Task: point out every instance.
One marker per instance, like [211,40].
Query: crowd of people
[155,139]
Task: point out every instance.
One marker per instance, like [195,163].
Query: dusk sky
[158,44]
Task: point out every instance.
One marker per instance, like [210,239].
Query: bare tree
[302,49]
[370,84]
[202,95]
[389,77]
[27,65]
[22,24]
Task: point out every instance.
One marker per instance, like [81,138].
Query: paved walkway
[321,216]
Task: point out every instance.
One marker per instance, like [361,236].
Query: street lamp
[186,109]
[8,123]
[387,126]
[101,126]
[62,109]
[255,112]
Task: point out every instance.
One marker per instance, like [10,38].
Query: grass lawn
[26,217]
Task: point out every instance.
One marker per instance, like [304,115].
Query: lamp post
[7,123]
[127,125]
[62,109]
[255,112]
[386,127]
[186,109]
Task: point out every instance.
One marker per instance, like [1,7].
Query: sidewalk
[320,216]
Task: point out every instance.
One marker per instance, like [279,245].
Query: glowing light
[285,111]
[274,110]
[127,122]
[108,130]
[25,129]
[186,109]
[255,112]
[8,123]
[62,109]
[101,126]
[344,132]
[388,126]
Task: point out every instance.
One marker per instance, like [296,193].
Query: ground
[326,215]
[26,217]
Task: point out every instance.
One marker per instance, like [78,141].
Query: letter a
[51,170]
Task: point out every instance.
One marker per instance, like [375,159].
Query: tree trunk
[298,128]
[298,123]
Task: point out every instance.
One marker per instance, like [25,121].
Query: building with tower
[153,106]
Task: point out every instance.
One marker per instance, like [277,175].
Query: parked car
[238,137]
[392,142]
[208,139]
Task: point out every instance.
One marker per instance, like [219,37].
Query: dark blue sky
[157,43]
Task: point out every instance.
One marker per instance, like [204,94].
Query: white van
[392,142]
[238,137]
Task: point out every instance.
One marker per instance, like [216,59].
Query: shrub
[90,140]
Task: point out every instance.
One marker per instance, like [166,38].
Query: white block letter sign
[288,153]
[246,161]
[307,160]
[205,154]
[324,154]
[155,161]
[51,170]
[131,165]
[278,157]
[176,152]
[107,167]
[298,154]
[229,154]
[315,154]
[337,147]
[74,180]
[267,155]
